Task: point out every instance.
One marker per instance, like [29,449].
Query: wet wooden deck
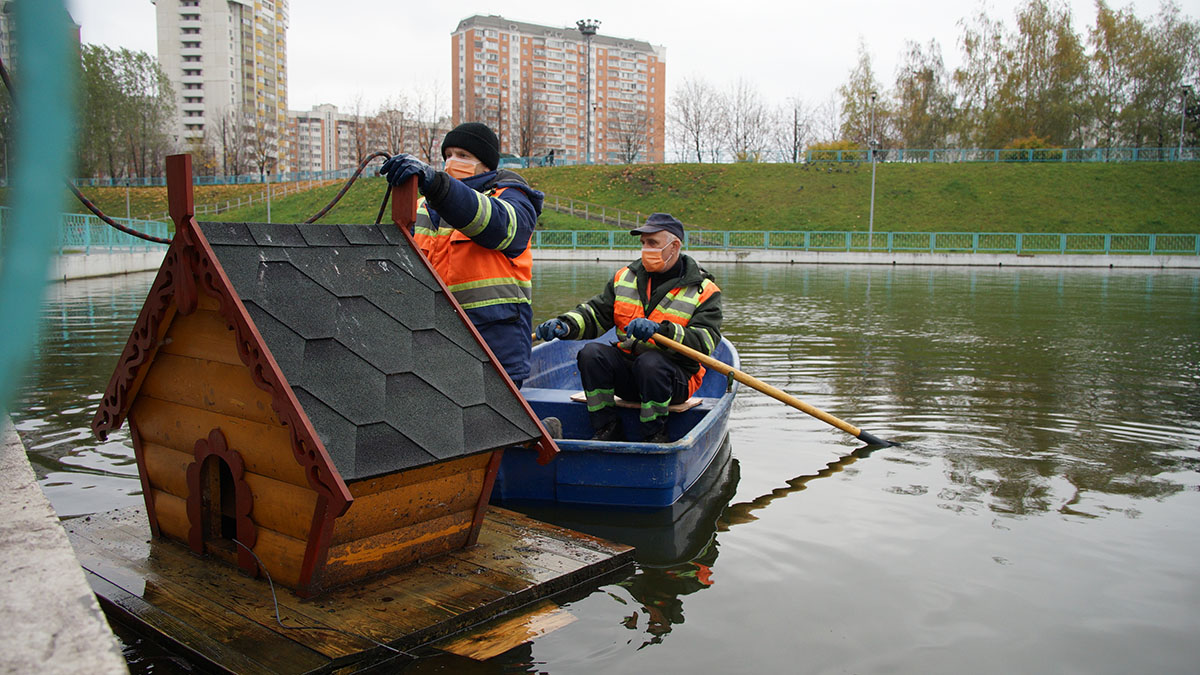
[226,621]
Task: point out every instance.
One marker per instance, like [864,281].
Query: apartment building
[322,139]
[227,62]
[529,83]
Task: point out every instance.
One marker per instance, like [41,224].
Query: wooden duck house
[310,399]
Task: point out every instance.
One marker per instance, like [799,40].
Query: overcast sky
[343,50]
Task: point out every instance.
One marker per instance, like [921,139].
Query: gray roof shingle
[385,370]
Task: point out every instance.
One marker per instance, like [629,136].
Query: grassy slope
[916,197]
[934,197]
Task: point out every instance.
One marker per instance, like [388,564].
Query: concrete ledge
[52,622]
[87,265]
[779,256]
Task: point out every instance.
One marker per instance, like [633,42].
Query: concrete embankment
[82,266]
[87,265]
[781,256]
[52,622]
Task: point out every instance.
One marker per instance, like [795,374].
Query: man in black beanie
[474,224]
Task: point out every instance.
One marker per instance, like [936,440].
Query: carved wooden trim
[190,266]
[216,446]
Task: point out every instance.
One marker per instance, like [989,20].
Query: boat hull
[613,473]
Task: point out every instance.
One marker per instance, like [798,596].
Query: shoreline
[91,265]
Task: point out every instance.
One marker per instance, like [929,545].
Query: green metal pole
[44,128]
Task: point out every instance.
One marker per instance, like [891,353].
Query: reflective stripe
[483,213]
[652,410]
[492,292]
[599,399]
[511,232]
[577,318]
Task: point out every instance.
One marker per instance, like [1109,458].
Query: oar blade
[871,439]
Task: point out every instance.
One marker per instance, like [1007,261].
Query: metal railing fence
[594,212]
[241,179]
[889,242]
[1039,155]
[85,233]
[940,155]
[904,155]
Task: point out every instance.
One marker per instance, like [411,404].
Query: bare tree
[748,122]
[794,126]
[696,117]
[531,124]
[358,124]
[389,127]
[827,120]
[263,151]
[232,137]
[630,129]
[430,125]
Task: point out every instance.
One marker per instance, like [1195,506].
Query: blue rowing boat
[606,473]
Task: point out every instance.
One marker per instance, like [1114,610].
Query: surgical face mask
[654,259]
[461,168]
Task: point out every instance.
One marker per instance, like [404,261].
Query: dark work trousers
[650,378]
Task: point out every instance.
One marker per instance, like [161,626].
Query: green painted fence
[917,242]
[85,233]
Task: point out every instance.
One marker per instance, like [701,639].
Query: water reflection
[677,547]
[85,326]
[1050,470]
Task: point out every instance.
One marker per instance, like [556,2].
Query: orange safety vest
[678,306]
[478,277]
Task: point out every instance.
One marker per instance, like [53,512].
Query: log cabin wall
[197,383]
[403,517]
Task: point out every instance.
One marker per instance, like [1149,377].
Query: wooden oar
[726,369]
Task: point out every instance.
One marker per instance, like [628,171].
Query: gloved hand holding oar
[725,369]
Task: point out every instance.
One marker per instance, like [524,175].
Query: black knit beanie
[477,139]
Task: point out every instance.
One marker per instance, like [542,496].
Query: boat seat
[692,402]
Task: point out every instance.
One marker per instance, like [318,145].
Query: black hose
[345,187]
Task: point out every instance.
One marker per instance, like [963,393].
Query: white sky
[374,50]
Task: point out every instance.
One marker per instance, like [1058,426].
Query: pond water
[1039,516]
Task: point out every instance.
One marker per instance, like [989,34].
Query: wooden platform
[225,620]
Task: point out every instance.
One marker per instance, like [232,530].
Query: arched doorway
[219,504]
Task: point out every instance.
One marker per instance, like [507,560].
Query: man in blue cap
[664,293]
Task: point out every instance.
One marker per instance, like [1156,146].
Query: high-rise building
[227,62]
[530,84]
[322,139]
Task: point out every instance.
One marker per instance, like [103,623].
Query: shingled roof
[375,353]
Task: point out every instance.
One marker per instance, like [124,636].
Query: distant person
[550,157]
[664,293]
[474,224]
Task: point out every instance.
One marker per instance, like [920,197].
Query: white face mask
[461,168]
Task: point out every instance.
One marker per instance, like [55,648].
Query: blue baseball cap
[661,222]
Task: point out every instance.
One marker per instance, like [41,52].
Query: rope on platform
[279,621]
